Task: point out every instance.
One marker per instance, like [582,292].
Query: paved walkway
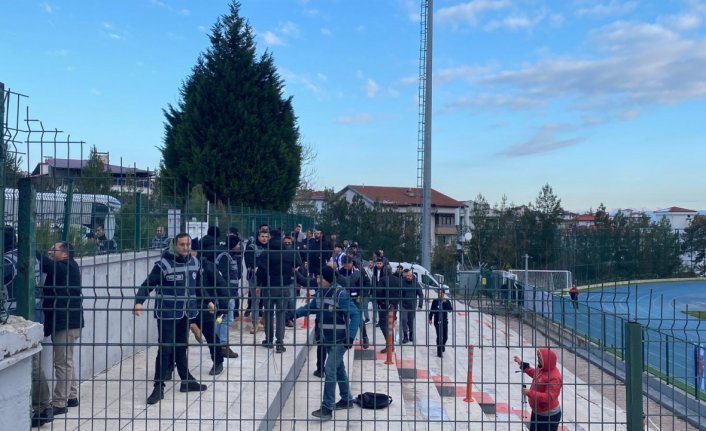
[428,392]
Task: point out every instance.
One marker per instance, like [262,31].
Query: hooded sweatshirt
[544,393]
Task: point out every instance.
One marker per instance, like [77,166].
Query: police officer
[176,276]
[228,264]
[339,324]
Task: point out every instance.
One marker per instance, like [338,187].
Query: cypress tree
[233,131]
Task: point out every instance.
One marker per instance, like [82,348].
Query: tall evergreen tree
[233,130]
[95,178]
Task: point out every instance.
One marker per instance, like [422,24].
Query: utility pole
[425,105]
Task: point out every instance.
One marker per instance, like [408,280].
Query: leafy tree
[548,211]
[694,244]
[95,178]
[233,131]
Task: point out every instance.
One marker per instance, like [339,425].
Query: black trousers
[545,423]
[172,350]
[382,319]
[320,356]
[442,334]
[407,316]
[207,323]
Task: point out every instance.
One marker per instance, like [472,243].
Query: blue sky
[603,100]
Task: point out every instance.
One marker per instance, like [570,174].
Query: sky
[603,100]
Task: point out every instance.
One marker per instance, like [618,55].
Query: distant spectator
[574,295]
[160,240]
[104,244]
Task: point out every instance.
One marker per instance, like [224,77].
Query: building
[445,211]
[125,179]
[679,218]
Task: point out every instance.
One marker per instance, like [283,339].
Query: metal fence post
[138,227]
[3,150]
[633,374]
[25,281]
[67,209]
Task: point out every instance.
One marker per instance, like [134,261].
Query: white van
[425,278]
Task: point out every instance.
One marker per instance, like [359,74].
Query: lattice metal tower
[424,133]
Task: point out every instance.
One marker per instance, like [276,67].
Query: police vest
[176,296]
[334,322]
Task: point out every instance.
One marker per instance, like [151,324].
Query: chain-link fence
[269,329]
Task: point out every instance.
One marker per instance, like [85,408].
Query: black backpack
[373,400]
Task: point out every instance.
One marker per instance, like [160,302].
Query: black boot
[157,395]
[439,352]
[366,342]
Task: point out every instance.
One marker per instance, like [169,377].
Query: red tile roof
[586,218]
[402,196]
[676,210]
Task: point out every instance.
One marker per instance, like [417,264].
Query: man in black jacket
[279,263]
[256,279]
[409,291]
[352,279]
[177,278]
[63,319]
[439,317]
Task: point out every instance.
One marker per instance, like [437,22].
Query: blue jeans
[366,313]
[335,372]
[222,328]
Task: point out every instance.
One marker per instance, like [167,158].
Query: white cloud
[46,7]
[683,22]
[322,77]
[515,22]
[484,101]
[326,32]
[613,8]
[184,12]
[371,88]
[643,64]
[545,140]
[362,118]
[272,39]
[450,74]
[556,19]
[59,53]
[469,12]
[112,32]
[201,29]
[95,92]
[289,28]
[360,28]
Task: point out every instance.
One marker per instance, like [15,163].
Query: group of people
[202,289]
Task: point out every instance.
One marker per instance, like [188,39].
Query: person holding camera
[543,393]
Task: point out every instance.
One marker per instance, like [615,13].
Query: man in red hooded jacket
[543,394]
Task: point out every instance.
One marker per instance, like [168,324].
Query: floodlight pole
[426,189]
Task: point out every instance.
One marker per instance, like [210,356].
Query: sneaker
[366,343]
[156,396]
[280,349]
[59,410]
[216,369]
[267,344]
[318,374]
[192,386]
[343,405]
[367,321]
[323,413]
[405,340]
[43,417]
[73,402]
[440,354]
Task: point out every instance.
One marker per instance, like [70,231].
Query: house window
[445,219]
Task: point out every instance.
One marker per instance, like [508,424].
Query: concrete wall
[19,340]
[111,332]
